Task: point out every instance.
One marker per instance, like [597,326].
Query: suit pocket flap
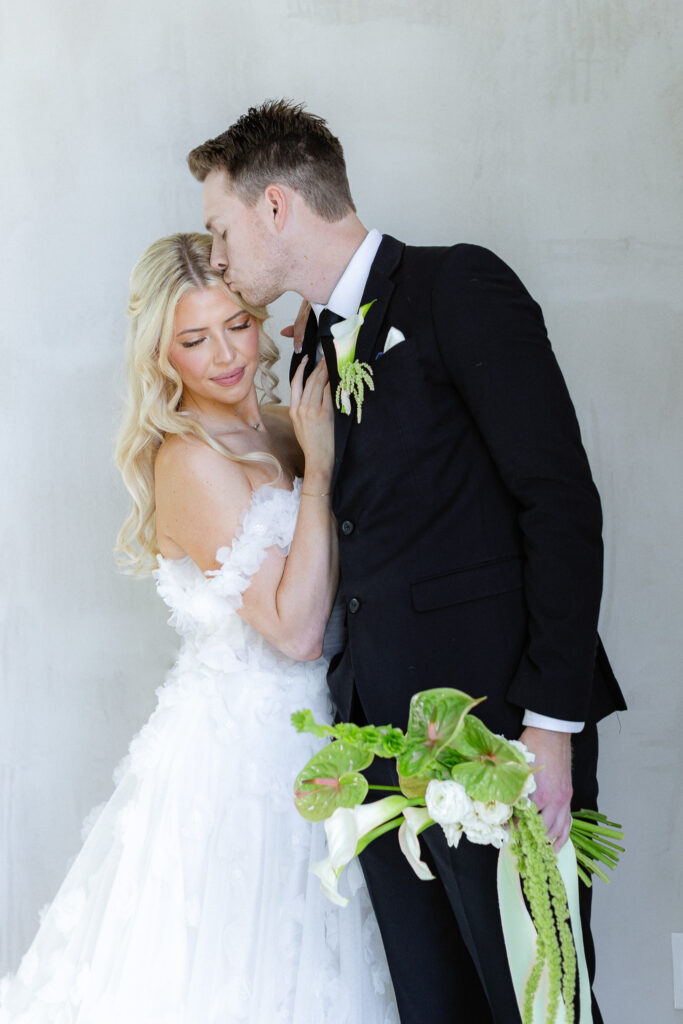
[483,580]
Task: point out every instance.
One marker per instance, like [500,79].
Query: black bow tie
[326,322]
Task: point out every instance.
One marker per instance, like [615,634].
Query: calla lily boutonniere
[354,376]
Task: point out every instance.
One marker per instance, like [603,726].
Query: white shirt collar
[348,292]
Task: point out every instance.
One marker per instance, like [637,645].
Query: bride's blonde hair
[164,273]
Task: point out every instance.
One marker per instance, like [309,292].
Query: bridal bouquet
[454,772]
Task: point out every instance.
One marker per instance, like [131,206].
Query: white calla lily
[345,831]
[329,880]
[416,820]
[345,336]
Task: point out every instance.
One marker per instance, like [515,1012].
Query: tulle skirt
[191,900]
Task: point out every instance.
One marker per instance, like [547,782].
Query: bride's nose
[224,351]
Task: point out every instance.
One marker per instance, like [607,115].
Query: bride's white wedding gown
[191,900]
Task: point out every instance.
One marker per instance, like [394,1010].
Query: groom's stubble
[245,249]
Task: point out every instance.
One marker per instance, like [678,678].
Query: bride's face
[214,348]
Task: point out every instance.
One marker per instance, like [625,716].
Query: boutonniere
[354,376]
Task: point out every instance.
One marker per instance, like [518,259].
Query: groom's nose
[219,259]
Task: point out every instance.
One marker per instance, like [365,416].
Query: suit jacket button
[354,605]
[347,527]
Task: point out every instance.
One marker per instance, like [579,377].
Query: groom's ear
[277,206]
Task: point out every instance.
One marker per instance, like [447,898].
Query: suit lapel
[379,287]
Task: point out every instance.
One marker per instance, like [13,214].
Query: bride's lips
[226,380]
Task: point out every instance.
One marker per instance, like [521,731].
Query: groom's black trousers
[447,933]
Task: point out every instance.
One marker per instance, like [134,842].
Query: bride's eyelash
[231,327]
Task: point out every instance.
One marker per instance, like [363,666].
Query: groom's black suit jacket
[469,525]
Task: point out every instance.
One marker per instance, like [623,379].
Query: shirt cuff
[537,721]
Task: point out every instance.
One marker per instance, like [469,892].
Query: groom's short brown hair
[280,143]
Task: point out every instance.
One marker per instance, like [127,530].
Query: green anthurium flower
[348,831]
[435,717]
[416,820]
[494,769]
[331,779]
[476,740]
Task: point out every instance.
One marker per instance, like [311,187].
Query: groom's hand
[298,328]
[553,779]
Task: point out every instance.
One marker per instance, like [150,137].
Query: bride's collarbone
[259,472]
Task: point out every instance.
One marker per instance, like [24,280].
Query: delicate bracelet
[309,494]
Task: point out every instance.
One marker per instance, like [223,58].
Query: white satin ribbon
[520,934]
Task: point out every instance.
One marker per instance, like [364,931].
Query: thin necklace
[220,427]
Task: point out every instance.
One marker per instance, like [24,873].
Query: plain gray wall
[548,131]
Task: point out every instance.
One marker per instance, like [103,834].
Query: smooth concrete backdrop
[548,131]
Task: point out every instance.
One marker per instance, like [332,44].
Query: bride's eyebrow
[193,330]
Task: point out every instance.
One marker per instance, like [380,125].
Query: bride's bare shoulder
[188,462]
[186,452]
[200,496]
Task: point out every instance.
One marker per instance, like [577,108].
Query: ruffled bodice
[204,605]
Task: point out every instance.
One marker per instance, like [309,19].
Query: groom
[469,525]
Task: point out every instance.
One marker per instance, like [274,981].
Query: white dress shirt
[348,292]
[344,301]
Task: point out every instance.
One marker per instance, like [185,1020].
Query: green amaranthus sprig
[353,380]
[547,899]
[445,742]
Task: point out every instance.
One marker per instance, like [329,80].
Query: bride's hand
[298,328]
[312,416]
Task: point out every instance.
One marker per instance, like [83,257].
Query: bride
[191,900]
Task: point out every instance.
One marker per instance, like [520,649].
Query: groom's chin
[256,296]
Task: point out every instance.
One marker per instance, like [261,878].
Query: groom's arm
[494,345]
